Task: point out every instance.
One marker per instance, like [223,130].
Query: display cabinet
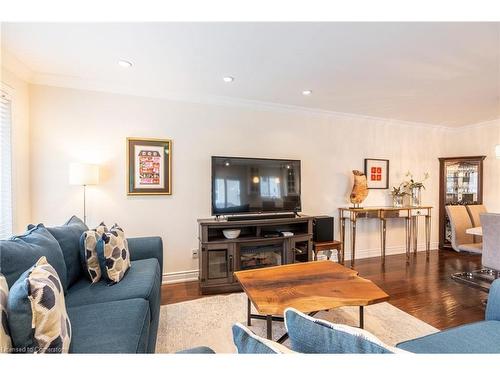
[461,182]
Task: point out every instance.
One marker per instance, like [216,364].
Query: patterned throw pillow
[248,342]
[114,257]
[88,252]
[5,341]
[37,313]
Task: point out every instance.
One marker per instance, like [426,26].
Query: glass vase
[416,197]
[397,200]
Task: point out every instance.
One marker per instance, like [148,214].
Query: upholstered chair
[491,241]
[460,221]
[474,211]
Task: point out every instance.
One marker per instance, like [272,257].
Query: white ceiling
[435,73]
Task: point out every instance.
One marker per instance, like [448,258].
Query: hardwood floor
[422,289]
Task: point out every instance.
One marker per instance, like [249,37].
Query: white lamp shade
[83,174]
[497,151]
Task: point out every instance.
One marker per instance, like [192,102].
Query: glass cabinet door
[462,182]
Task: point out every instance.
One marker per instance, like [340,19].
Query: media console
[258,245]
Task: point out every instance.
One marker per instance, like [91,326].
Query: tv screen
[248,185]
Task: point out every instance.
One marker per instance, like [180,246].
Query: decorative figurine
[360,188]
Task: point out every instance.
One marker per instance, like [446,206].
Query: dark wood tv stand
[258,245]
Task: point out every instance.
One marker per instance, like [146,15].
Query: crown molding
[482,124]
[11,63]
[117,88]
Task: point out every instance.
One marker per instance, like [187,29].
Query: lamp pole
[84,205]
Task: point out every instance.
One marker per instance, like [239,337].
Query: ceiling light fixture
[125,63]
[307,92]
[228,79]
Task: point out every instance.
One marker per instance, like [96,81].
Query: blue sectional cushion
[111,327]
[143,280]
[310,335]
[21,252]
[248,342]
[68,236]
[478,338]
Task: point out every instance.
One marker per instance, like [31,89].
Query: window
[5,166]
[227,193]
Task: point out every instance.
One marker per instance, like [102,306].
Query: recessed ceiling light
[307,92]
[228,79]
[125,63]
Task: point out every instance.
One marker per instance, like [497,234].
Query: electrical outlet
[195,253]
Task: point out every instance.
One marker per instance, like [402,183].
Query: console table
[409,214]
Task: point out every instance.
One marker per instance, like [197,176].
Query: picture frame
[149,166]
[377,173]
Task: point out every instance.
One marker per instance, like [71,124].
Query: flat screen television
[251,185]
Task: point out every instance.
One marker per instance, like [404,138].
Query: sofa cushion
[88,252]
[5,340]
[479,337]
[68,236]
[38,320]
[111,327]
[113,254]
[248,342]
[310,335]
[21,252]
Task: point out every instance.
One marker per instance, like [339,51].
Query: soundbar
[261,217]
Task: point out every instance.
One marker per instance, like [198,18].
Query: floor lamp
[83,175]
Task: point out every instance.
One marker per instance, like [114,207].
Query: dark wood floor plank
[423,289]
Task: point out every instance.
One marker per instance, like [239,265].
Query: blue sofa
[479,337]
[119,318]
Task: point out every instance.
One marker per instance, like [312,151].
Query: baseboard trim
[180,277]
[192,275]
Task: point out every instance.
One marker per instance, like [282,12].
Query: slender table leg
[427,235]
[408,237]
[342,236]
[382,237]
[249,311]
[361,317]
[415,233]
[353,241]
[269,324]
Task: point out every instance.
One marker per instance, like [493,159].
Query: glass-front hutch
[461,182]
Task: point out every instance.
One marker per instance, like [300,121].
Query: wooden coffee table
[308,287]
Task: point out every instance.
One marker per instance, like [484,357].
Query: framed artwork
[149,166]
[377,173]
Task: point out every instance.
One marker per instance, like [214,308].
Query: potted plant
[415,188]
[398,194]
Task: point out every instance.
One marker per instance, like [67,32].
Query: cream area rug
[207,322]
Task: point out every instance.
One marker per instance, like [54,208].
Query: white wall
[481,139]
[19,89]
[75,125]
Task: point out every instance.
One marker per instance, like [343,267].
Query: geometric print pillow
[113,253]
[88,252]
[5,341]
[38,319]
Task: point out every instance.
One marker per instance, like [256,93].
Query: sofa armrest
[493,305]
[145,248]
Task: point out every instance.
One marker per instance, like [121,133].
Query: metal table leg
[249,312]
[353,241]
[382,237]
[428,235]
[269,325]
[408,237]
[361,317]
[415,233]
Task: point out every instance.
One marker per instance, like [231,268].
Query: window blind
[5,165]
